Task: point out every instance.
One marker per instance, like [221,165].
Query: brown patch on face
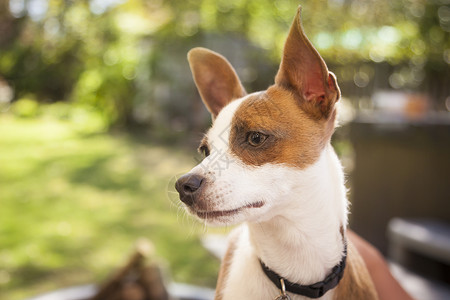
[294,137]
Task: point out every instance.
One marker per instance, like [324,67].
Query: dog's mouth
[225,213]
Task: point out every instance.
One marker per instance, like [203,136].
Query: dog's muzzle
[189,186]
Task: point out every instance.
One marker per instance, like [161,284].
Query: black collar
[315,290]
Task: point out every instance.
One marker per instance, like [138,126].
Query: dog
[269,164]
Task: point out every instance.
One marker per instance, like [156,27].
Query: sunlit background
[99,114]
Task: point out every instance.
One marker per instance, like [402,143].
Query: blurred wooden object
[401,169]
[137,280]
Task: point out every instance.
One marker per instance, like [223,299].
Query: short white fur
[296,231]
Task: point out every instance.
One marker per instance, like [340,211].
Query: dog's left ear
[215,78]
[303,70]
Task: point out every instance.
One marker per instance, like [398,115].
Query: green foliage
[84,118]
[25,108]
[74,204]
[120,56]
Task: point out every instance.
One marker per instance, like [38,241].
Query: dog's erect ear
[215,79]
[303,70]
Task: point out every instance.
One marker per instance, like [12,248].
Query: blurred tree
[127,58]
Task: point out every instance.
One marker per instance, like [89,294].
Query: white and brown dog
[269,163]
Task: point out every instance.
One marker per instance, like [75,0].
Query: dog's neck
[304,241]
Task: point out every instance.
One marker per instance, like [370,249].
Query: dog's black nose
[187,186]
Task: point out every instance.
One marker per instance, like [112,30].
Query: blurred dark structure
[421,244]
[401,170]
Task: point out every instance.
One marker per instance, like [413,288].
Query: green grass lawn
[73,204]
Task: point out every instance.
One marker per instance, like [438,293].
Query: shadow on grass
[76,206]
[29,273]
[98,174]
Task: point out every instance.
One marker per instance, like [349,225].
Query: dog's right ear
[303,71]
[215,79]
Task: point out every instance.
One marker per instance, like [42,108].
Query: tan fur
[303,70]
[356,283]
[294,137]
[297,114]
[226,263]
[215,78]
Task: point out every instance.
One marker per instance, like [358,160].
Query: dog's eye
[256,139]
[204,150]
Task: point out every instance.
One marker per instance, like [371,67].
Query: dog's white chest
[246,279]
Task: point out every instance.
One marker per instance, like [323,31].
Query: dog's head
[262,146]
